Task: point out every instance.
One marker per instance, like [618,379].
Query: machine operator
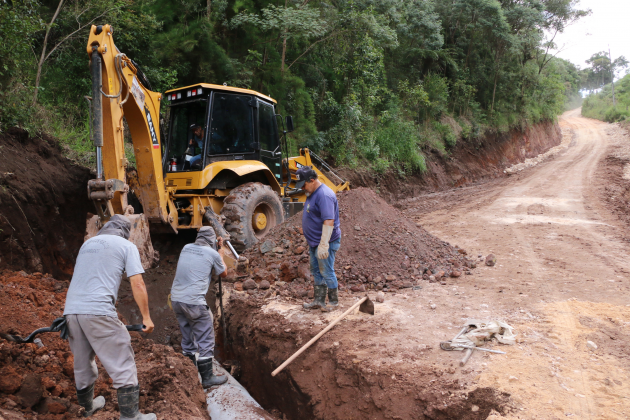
[93,325]
[320,226]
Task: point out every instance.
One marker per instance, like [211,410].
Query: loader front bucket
[139,236]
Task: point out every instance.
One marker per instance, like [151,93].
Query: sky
[608,24]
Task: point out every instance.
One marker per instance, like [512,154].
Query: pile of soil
[43,205]
[39,382]
[380,249]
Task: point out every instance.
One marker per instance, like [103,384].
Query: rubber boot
[319,298]
[192,357]
[128,401]
[208,378]
[333,297]
[87,401]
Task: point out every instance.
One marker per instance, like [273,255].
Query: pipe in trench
[231,401]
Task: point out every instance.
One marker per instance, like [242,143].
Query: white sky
[608,24]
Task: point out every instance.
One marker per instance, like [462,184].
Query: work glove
[322,249]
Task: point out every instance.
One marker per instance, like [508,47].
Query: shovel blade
[367,307]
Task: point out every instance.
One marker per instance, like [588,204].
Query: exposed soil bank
[38,383]
[470,161]
[43,205]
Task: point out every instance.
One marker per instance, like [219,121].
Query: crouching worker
[93,325]
[188,297]
[320,226]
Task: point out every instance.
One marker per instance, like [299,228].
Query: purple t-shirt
[319,206]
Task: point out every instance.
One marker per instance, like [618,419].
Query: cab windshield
[188,134]
[232,124]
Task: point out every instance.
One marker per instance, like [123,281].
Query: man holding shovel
[93,325]
[320,226]
[188,297]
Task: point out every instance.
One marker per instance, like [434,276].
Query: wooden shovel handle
[314,339]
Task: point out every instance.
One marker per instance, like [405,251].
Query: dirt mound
[43,205]
[380,249]
[39,382]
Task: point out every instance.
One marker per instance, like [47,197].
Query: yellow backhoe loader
[222,161]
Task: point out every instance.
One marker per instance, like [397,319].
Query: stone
[266,246]
[304,271]
[358,288]
[299,250]
[591,345]
[433,306]
[462,251]
[249,284]
[491,260]
[513,379]
[432,279]
[472,264]
[238,286]
[439,274]
[474,408]
[288,272]
[390,277]
[31,390]
[378,279]
[278,250]
[280,283]
[264,285]
[357,227]
[456,273]
[407,284]
[53,406]
[311,294]
[380,297]
[251,291]
[9,381]
[268,294]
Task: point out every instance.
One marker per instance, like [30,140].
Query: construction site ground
[558,227]
[558,232]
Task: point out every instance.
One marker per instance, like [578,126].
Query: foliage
[601,107]
[369,82]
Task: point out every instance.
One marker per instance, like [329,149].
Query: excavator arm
[119,91]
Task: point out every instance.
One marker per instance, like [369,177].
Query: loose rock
[380,297]
[264,285]
[591,345]
[491,260]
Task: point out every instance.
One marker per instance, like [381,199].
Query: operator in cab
[93,325]
[194,143]
[320,226]
[196,264]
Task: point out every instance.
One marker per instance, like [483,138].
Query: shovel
[365,305]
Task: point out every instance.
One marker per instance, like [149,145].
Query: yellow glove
[322,249]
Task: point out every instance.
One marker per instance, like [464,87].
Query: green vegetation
[369,82]
[600,106]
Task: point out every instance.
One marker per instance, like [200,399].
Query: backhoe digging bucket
[139,236]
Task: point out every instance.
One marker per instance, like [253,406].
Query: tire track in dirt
[559,257]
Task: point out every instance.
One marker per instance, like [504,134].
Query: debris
[491,260]
[513,379]
[591,345]
[433,306]
[266,246]
[380,297]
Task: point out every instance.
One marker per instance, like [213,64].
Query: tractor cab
[212,123]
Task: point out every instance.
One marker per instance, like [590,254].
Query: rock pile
[380,249]
[38,382]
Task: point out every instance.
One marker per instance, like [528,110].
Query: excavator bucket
[139,236]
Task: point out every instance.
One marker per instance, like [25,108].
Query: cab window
[268,134]
[231,129]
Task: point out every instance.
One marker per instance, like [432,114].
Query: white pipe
[231,401]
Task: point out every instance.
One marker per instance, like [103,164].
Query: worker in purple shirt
[320,226]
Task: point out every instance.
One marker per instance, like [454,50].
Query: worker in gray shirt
[196,263]
[93,325]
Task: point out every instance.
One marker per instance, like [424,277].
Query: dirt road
[561,279]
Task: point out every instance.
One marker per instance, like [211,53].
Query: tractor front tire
[251,211]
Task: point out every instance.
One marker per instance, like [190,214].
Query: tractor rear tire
[251,211]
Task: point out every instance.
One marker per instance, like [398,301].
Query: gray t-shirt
[192,277]
[97,275]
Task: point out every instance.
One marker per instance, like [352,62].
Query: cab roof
[225,89]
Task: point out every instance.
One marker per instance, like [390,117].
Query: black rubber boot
[128,401]
[192,357]
[319,298]
[208,378]
[87,401]
[333,297]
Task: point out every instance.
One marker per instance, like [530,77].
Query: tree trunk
[494,92]
[284,53]
[42,58]
[209,8]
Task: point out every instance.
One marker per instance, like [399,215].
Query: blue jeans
[194,160]
[323,271]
